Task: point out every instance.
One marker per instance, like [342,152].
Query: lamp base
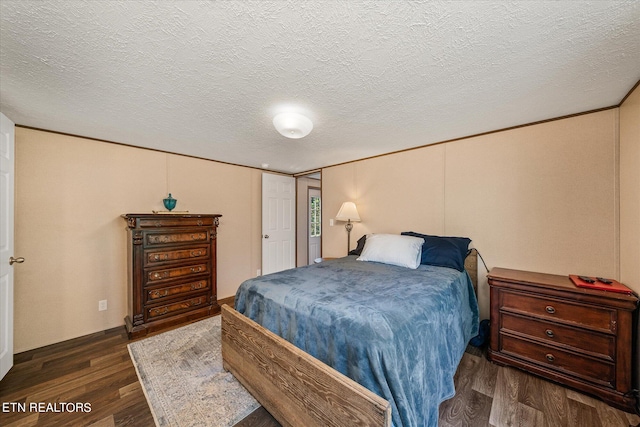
[349,227]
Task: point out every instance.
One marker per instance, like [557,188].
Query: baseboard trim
[230,301]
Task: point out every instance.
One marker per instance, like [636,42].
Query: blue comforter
[399,332]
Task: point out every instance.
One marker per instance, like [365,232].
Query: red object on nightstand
[614,286]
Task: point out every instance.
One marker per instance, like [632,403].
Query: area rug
[182,377]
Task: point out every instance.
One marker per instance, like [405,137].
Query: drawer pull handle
[159,312]
[195,286]
[549,333]
[199,222]
[550,309]
[159,294]
[159,275]
[196,270]
[550,357]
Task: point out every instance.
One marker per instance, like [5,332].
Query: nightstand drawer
[599,345]
[596,371]
[559,310]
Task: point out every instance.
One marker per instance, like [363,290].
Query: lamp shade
[292,125]
[348,212]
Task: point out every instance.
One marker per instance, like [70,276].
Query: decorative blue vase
[169,202]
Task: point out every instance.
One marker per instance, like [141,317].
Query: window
[315,214]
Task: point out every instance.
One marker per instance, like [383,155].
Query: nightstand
[582,338]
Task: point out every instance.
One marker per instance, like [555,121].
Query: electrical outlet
[331,222]
[258,272]
[102,305]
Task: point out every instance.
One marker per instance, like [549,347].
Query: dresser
[171,270]
[578,337]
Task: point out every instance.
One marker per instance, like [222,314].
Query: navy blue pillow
[360,247]
[443,251]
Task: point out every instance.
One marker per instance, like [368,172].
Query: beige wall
[630,190]
[539,198]
[70,193]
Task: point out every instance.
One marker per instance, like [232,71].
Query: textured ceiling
[205,78]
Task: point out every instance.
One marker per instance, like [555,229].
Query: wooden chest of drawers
[171,270]
[579,337]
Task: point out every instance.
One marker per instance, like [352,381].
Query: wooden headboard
[471,265]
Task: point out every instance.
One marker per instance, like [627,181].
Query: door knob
[266,236]
[18,260]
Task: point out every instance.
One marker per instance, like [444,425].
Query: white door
[278,223]
[315,224]
[7,151]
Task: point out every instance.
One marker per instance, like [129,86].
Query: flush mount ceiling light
[292,125]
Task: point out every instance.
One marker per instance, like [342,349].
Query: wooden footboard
[296,388]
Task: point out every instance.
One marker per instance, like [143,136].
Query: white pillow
[394,249]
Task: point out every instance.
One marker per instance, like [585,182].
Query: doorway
[314,224]
[309,215]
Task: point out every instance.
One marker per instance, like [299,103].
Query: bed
[389,340]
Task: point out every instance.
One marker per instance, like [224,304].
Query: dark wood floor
[97,370]
[94,369]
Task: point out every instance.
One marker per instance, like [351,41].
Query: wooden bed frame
[296,388]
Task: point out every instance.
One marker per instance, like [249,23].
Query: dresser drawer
[559,310]
[154,276]
[155,257]
[169,221]
[194,236]
[599,345]
[159,294]
[596,371]
[176,307]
